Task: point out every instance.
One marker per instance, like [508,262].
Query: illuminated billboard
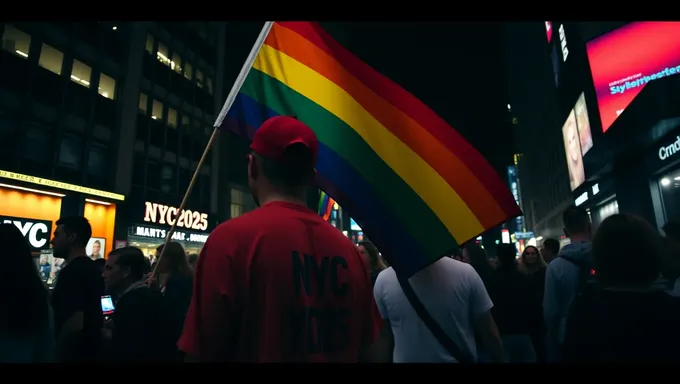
[583,124]
[623,61]
[572,148]
[548,30]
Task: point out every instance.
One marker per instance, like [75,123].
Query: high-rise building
[109,120]
[598,106]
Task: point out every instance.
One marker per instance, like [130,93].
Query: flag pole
[235,89]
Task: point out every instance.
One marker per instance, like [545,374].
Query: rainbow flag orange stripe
[413,183]
[325,206]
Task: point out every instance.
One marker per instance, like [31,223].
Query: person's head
[282,158]
[123,267]
[532,260]
[507,255]
[71,237]
[627,251]
[550,249]
[672,230]
[101,263]
[474,255]
[192,259]
[371,254]
[96,247]
[23,296]
[174,260]
[576,223]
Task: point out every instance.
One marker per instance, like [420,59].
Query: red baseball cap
[279,132]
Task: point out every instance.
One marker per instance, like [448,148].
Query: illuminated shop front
[34,205]
[149,230]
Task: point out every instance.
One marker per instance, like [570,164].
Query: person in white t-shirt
[455,297]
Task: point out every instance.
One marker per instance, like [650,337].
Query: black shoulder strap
[432,324]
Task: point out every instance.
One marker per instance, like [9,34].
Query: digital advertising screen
[583,124]
[95,247]
[548,30]
[572,149]
[623,61]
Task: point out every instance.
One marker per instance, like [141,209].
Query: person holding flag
[279,283]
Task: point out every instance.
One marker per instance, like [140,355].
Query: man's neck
[577,238]
[80,252]
[274,197]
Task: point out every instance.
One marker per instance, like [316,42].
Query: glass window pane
[149,44]
[209,85]
[188,71]
[70,151]
[157,110]
[143,100]
[96,162]
[176,63]
[51,59]
[107,87]
[185,123]
[172,118]
[81,73]
[199,78]
[16,41]
[162,54]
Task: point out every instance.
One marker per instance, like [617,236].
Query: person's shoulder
[385,277]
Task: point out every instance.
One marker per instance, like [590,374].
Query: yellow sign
[60,185]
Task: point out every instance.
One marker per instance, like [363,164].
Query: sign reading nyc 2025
[623,61]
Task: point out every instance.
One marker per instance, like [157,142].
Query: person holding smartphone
[140,326]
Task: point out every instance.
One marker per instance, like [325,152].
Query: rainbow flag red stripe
[413,183]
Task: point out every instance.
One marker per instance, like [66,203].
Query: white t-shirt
[454,295]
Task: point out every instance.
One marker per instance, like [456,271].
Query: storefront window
[669,186]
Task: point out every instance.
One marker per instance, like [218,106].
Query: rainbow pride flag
[325,206]
[414,184]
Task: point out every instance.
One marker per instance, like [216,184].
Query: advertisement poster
[583,124]
[572,148]
[95,248]
[623,61]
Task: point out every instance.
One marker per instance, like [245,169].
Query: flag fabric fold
[416,187]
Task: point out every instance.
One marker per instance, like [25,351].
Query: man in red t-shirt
[279,283]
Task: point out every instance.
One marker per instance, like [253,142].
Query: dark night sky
[454,68]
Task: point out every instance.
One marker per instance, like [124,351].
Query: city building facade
[598,106]
[110,120]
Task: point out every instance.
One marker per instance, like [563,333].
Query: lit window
[209,85]
[149,44]
[157,110]
[199,78]
[162,54]
[107,87]
[236,196]
[51,59]
[81,73]
[188,71]
[185,123]
[143,100]
[236,210]
[172,118]
[176,63]
[16,41]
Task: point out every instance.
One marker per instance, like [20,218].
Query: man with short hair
[279,283]
[566,276]
[76,298]
[142,329]
[550,249]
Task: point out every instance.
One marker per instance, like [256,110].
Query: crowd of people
[280,284]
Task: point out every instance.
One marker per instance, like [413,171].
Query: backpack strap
[434,327]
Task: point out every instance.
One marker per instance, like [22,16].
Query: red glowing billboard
[548,30]
[623,61]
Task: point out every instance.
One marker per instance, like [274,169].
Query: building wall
[125,107]
[543,171]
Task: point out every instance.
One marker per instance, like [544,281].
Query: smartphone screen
[107,305]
